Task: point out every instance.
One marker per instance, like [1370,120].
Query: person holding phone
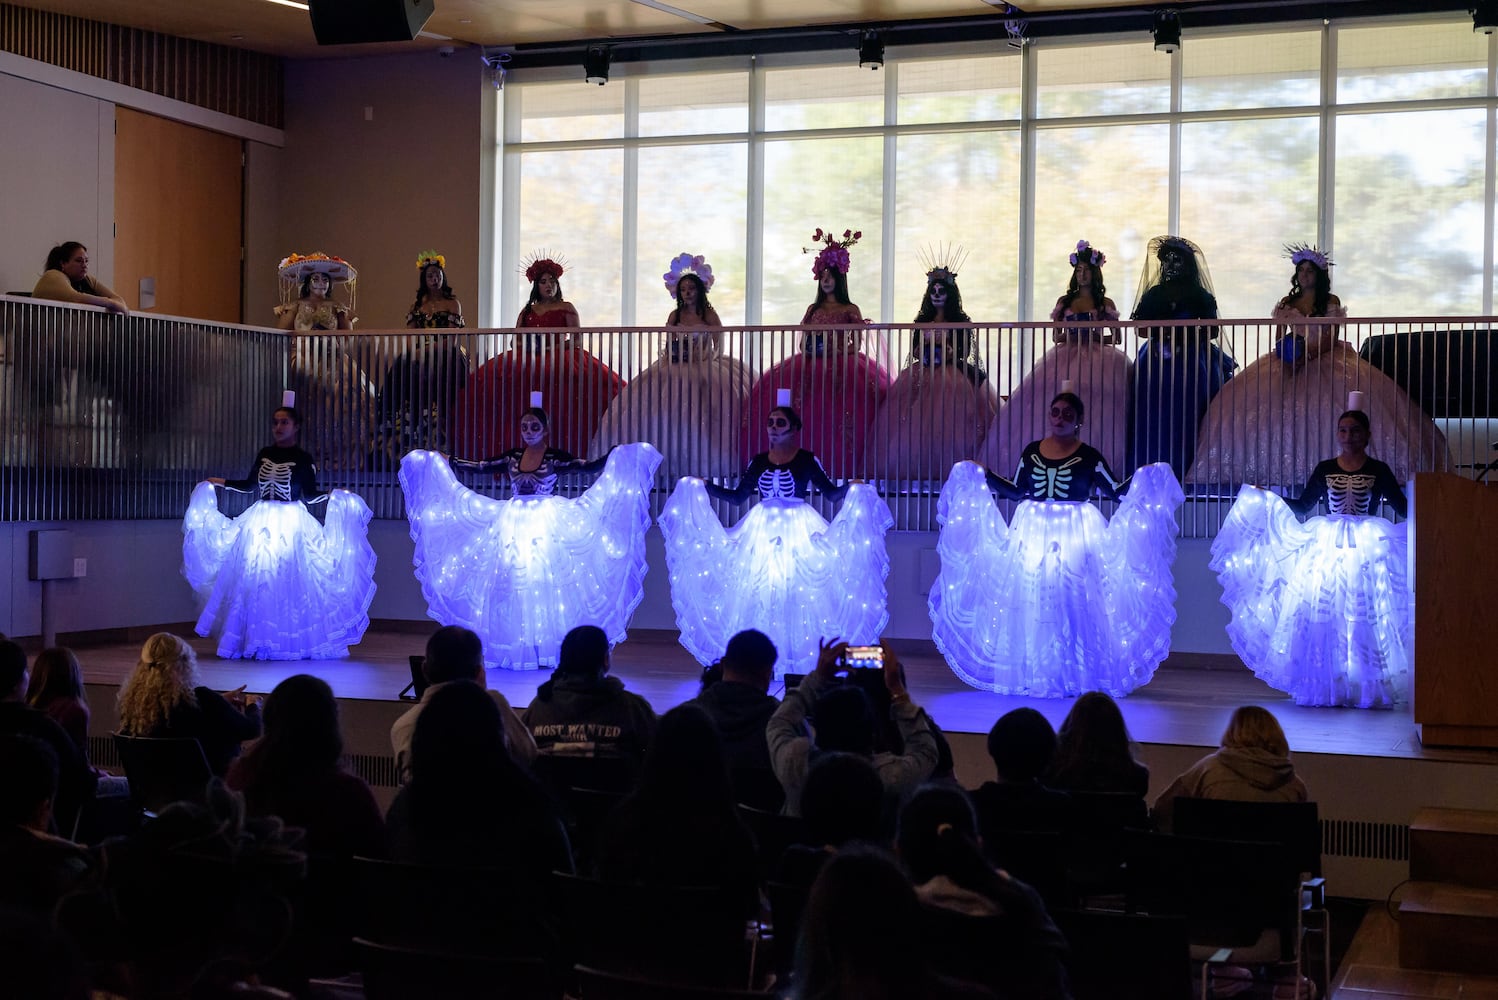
[845,722]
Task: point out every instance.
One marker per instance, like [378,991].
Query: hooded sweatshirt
[582,716]
[1243,774]
[741,712]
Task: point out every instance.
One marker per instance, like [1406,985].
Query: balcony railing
[110,417]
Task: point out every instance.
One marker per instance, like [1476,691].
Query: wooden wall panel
[178,216]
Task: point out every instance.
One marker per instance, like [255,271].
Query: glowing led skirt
[524,572]
[781,569]
[1321,610]
[1061,601]
[275,584]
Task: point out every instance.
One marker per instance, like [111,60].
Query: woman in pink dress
[578,386]
[1268,426]
[837,388]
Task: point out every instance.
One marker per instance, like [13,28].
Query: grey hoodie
[1244,774]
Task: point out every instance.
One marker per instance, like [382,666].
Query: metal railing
[110,417]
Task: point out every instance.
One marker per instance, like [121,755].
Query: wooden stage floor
[1181,706]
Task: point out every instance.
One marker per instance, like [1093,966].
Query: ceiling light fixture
[596,61]
[871,50]
[1167,31]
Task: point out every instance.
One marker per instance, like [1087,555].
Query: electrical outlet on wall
[80,567]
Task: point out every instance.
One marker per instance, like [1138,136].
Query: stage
[1367,769]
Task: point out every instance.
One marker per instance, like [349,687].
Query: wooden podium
[1456,578]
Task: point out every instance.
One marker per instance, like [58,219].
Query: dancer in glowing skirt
[1060,601]
[1323,610]
[524,572]
[782,569]
[275,584]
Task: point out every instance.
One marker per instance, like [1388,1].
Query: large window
[1372,139]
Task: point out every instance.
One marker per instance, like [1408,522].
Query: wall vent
[1346,838]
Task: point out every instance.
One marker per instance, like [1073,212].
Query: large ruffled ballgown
[837,384]
[275,584]
[689,404]
[576,387]
[1321,610]
[933,416]
[1271,424]
[1101,375]
[523,572]
[1060,601]
[781,569]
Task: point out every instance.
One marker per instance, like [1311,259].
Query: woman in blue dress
[1179,369]
[1059,601]
[1323,610]
[782,569]
[524,572]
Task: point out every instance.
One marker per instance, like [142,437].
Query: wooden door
[178,196]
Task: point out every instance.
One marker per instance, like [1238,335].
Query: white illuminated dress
[275,584]
[782,569]
[1321,610]
[524,572]
[1060,601]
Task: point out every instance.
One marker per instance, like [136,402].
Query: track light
[1167,31]
[870,50]
[1485,16]
[596,61]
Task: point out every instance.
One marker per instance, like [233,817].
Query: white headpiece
[782,397]
[536,397]
[1355,400]
[288,397]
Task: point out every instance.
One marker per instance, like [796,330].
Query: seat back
[773,833]
[1126,956]
[596,984]
[758,787]
[787,904]
[682,934]
[1297,825]
[604,774]
[396,972]
[163,771]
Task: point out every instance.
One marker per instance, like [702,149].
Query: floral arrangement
[426,257]
[1086,253]
[298,258]
[684,264]
[834,252]
[541,262]
[1300,252]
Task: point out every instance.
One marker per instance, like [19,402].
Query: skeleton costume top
[784,482]
[538,482]
[280,474]
[1071,478]
[1346,492]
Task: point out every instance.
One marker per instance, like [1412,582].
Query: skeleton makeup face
[532,430]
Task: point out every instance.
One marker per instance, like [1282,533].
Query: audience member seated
[468,802]
[455,653]
[980,924]
[736,693]
[1021,744]
[295,771]
[76,782]
[679,827]
[1094,751]
[844,721]
[57,689]
[163,698]
[856,941]
[66,279]
[40,961]
[40,869]
[582,712]
[842,802]
[1252,765]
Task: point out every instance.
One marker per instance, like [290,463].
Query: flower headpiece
[1086,253]
[542,262]
[297,266]
[942,261]
[426,257]
[834,253]
[1298,252]
[684,264]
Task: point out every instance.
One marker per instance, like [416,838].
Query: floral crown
[426,257]
[1086,253]
[834,252]
[542,262]
[942,261]
[1299,252]
[684,264]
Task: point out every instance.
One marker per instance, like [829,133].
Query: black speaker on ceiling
[350,22]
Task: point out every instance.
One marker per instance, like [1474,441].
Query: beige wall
[381,161]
